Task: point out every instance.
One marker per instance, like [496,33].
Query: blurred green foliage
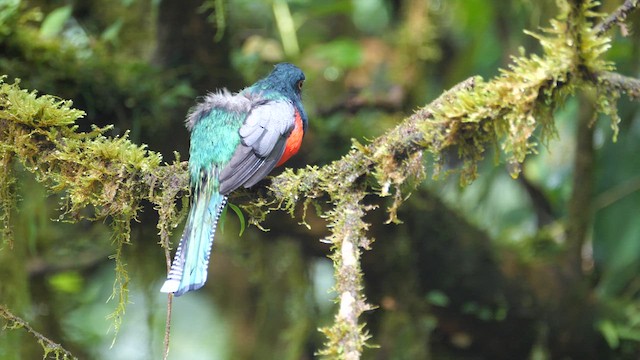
[443,281]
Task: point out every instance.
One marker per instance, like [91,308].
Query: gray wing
[263,138]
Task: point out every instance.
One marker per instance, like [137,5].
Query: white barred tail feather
[191,261]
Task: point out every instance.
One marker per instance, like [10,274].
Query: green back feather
[214,139]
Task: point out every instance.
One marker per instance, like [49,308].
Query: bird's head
[285,78]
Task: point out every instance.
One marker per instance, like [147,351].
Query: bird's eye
[300,84]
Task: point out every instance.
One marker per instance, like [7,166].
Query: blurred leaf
[8,10]
[68,282]
[438,298]
[370,15]
[329,8]
[110,34]
[238,212]
[629,333]
[54,22]
[608,330]
[223,218]
[344,53]
[613,333]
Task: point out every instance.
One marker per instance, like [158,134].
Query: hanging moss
[97,177]
[7,199]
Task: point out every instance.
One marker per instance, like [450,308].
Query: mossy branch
[51,349]
[346,337]
[615,82]
[618,17]
[579,207]
[512,112]
[7,198]
[99,177]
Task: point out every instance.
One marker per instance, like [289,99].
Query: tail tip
[170,286]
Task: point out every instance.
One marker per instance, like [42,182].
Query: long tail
[189,268]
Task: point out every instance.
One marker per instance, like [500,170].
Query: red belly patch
[293,141]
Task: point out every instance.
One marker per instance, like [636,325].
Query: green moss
[512,113]
[346,337]
[7,199]
[97,177]
[122,231]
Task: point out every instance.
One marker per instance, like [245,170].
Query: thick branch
[579,208]
[405,139]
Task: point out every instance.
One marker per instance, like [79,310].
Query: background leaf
[54,22]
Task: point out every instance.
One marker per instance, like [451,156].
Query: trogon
[236,140]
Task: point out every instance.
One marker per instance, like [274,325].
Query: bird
[235,141]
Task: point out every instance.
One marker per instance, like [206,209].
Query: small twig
[389,102]
[615,81]
[167,327]
[618,16]
[168,217]
[616,193]
[164,239]
[539,201]
[14,322]
[40,266]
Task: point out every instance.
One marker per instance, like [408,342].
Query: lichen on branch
[345,337]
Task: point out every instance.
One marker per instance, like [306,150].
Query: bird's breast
[293,141]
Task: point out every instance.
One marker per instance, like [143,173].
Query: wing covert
[263,137]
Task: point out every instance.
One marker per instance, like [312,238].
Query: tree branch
[345,336]
[504,112]
[388,102]
[617,17]
[39,266]
[49,347]
[579,207]
[618,82]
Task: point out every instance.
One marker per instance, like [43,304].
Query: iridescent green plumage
[214,133]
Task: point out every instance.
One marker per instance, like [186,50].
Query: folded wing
[263,138]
